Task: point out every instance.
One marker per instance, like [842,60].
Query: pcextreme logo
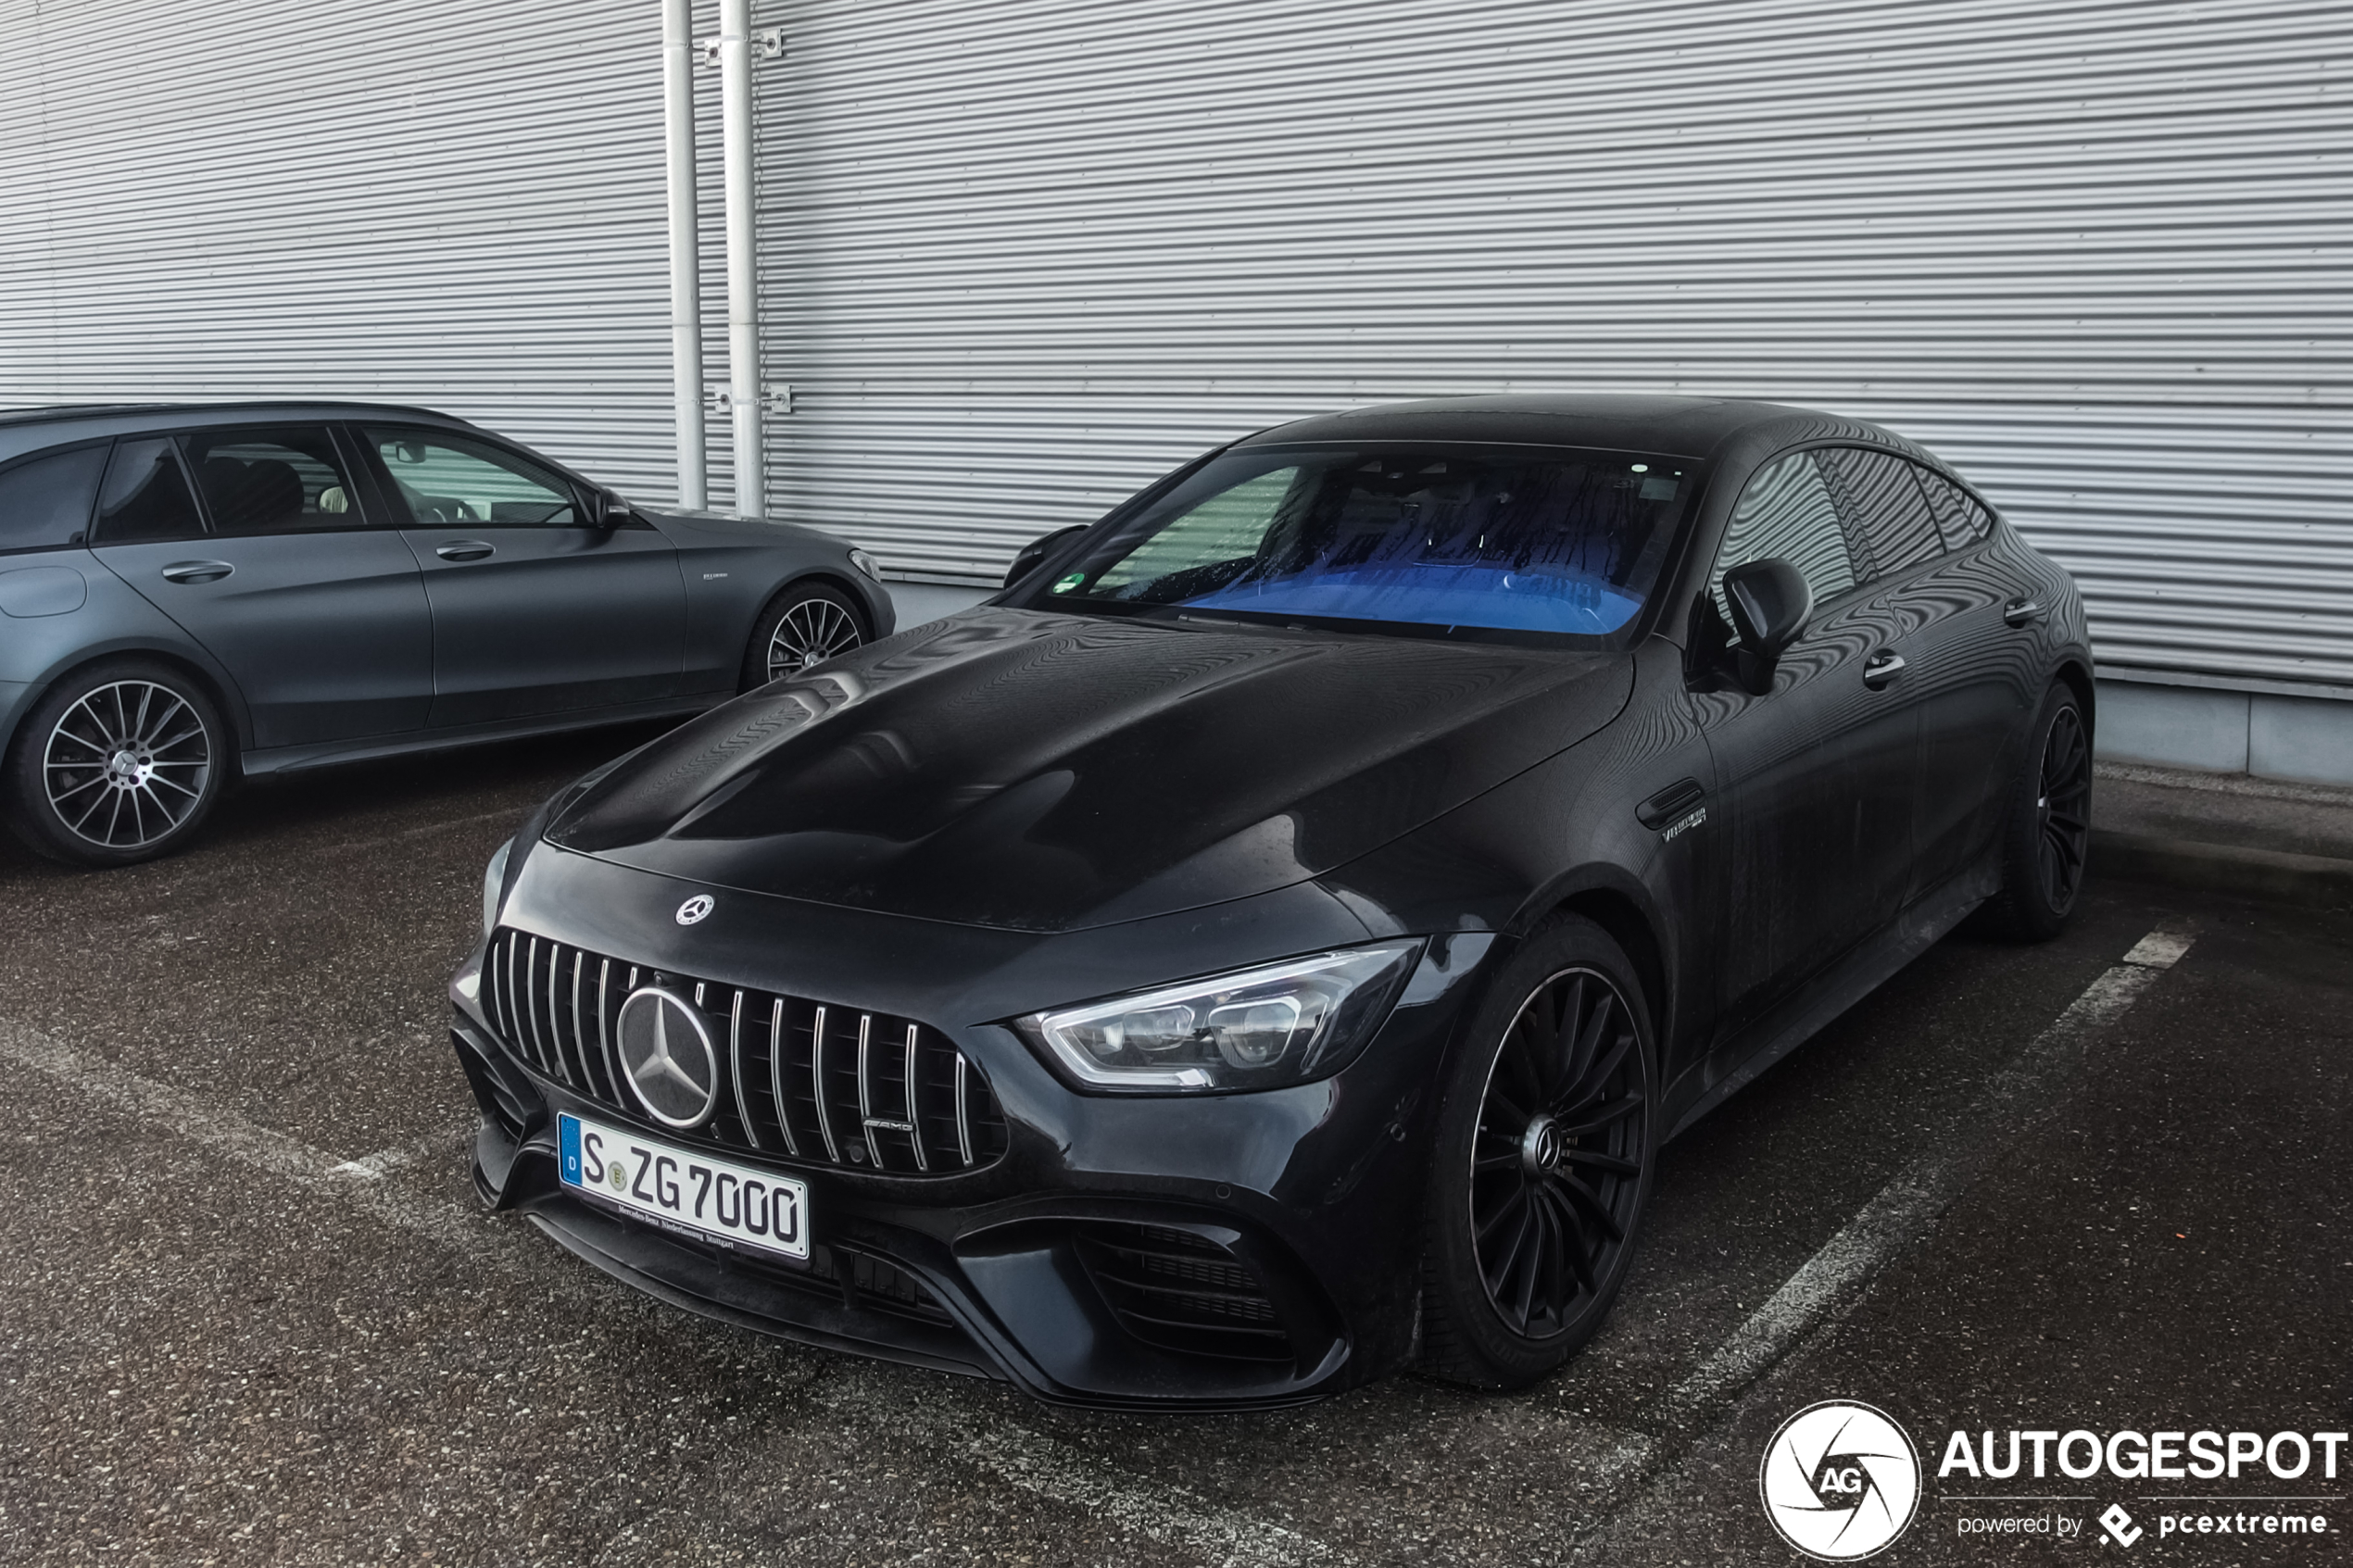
[1839,1481]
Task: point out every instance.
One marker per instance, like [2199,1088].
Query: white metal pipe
[686,283]
[743,305]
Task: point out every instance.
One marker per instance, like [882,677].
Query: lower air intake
[1177,1291]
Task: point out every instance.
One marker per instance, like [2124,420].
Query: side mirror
[611,511]
[1769,602]
[1037,550]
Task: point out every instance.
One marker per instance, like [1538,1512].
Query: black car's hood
[1040,771]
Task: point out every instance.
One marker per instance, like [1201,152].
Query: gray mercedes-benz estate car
[189,593]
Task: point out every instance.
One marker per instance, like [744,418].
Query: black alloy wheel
[117,765]
[2048,835]
[1554,1173]
[804,626]
[2063,807]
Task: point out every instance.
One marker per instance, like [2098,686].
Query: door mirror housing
[612,511]
[1769,602]
[1036,551]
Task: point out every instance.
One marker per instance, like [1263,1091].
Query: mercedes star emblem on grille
[696,908]
[667,1056]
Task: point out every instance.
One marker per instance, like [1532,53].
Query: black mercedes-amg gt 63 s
[1267,944]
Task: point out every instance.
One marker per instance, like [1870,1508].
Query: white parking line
[946,1419]
[1906,1207]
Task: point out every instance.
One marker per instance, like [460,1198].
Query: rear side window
[145,495]
[1958,514]
[1788,513]
[274,480]
[45,502]
[1889,514]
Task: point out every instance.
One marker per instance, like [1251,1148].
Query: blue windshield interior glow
[1439,593]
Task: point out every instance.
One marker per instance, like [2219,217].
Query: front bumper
[1192,1251]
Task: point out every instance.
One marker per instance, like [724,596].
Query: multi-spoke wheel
[2063,807]
[117,765]
[1545,1149]
[805,626]
[2048,830]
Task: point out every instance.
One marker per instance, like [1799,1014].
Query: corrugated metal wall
[1022,255]
[417,200]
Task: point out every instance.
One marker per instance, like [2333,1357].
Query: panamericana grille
[800,1080]
[1183,1292]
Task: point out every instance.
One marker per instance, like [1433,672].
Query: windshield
[1513,540]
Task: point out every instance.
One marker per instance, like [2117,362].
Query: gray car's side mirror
[1037,550]
[1769,602]
[611,511]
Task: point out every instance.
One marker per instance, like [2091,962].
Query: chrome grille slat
[562,1043]
[914,1115]
[735,1063]
[964,1111]
[817,1084]
[866,1093]
[777,1075]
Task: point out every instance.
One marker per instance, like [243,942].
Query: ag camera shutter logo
[1839,1481]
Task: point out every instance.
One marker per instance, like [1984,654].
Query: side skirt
[294,758]
[1863,971]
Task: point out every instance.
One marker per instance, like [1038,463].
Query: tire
[803,626]
[117,764]
[1514,1284]
[2046,830]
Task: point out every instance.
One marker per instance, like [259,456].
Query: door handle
[462,549]
[197,570]
[2021,613]
[1883,668]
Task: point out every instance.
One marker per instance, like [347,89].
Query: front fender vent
[801,1081]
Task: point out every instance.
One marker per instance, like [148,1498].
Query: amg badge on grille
[667,1056]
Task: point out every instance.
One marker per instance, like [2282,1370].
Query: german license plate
[684,1190]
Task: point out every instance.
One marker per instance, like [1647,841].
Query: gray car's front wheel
[803,626]
[117,764]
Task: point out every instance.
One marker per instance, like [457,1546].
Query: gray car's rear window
[46,501]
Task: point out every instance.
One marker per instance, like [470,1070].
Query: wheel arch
[2078,679]
[1622,908]
[219,690]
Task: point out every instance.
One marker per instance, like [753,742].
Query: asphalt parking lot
[253,1314]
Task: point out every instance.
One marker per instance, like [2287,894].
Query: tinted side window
[1958,516]
[273,481]
[449,479]
[145,495]
[1889,513]
[46,501]
[1787,513]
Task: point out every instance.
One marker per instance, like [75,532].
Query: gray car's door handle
[462,549]
[1882,668]
[2021,613]
[197,570]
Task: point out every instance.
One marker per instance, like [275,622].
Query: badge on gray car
[696,908]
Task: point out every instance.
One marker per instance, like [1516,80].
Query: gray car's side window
[449,479]
[1886,508]
[278,479]
[146,494]
[46,501]
[1788,513]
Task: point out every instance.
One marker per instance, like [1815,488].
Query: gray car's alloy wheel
[118,764]
[2046,837]
[1545,1153]
[802,627]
